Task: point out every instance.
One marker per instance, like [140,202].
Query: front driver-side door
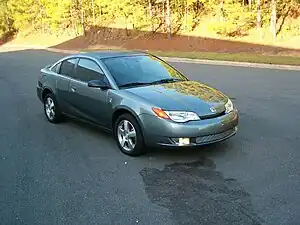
[66,70]
[89,103]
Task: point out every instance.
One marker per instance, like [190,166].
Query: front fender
[132,112]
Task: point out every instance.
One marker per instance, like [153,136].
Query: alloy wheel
[50,108]
[126,135]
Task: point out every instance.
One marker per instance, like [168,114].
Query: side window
[56,68]
[88,70]
[67,67]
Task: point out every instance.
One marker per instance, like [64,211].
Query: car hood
[186,95]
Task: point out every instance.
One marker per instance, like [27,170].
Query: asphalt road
[72,173]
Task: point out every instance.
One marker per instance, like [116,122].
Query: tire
[55,115]
[138,142]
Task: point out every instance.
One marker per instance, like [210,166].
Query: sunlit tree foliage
[231,17]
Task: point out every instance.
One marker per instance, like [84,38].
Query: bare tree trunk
[126,25]
[222,10]
[164,17]
[93,7]
[186,15]
[82,19]
[72,22]
[258,15]
[250,4]
[151,15]
[284,16]
[258,19]
[273,19]
[168,19]
[42,22]
[83,22]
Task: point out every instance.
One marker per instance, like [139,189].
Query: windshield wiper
[134,84]
[167,80]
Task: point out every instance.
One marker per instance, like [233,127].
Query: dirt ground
[115,38]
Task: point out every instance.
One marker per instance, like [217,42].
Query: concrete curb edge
[232,63]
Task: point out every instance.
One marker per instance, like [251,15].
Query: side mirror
[98,84]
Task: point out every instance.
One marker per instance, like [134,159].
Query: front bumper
[161,132]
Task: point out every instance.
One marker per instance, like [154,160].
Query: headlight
[229,106]
[176,116]
[182,116]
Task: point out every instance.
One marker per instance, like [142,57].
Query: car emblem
[212,109]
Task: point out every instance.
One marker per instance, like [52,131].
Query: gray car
[141,99]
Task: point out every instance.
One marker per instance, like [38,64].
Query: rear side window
[67,67]
[88,70]
[56,68]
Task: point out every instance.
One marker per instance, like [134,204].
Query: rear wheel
[129,136]
[51,109]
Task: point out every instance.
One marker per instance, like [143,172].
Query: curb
[175,59]
[232,63]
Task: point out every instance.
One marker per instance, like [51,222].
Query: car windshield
[140,70]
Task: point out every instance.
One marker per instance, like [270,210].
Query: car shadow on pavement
[89,127]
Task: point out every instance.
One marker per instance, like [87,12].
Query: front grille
[212,116]
[215,137]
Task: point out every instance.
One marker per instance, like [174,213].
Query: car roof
[109,54]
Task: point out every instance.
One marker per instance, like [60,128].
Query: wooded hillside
[226,18]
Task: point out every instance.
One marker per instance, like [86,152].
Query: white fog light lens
[184,141]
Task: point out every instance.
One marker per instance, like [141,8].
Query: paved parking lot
[72,173]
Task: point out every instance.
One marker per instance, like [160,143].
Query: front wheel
[129,136]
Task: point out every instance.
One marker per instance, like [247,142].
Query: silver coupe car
[141,99]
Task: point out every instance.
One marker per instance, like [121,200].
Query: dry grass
[232,57]
[235,57]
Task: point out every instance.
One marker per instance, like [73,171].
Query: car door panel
[86,102]
[65,71]
[62,86]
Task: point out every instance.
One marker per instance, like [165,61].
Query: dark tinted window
[141,69]
[55,69]
[88,70]
[67,67]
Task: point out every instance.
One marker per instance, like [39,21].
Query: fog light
[183,141]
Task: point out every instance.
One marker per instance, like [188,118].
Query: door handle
[73,89]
